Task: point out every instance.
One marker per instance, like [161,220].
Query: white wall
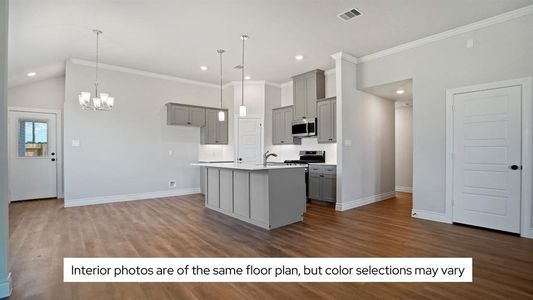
[502,51]
[272,100]
[291,151]
[5,287]
[404,148]
[47,94]
[126,151]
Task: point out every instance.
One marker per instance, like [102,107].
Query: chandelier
[100,101]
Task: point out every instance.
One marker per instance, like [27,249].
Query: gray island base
[269,197]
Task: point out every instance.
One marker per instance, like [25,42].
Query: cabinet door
[197,116]
[221,131]
[277,120]
[334,120]
[177,115]
[314,186]
[311,96]
[328,187]
[286,126]
[300,98]
[210,134]
[325,130]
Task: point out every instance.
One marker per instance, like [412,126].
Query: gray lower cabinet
[180,114]
[327,120]
[215,132]
[307,89]
[282,126]
[322,184]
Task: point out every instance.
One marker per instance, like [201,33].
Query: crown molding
[88,63]
[450,33]
[345,56]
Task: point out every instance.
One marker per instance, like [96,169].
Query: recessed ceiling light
[247,77]
[203,68]
[400,92]
[299,57]
[31,74]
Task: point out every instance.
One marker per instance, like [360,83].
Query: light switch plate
[75,143]
[470,44]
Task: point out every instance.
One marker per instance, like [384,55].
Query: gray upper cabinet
[282,125]
[327,120]
[179,114]
[307,88]
[215,132]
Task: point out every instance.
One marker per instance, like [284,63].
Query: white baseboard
[363,201]
[129,197]
[430,215]
[404,189]
[5,287]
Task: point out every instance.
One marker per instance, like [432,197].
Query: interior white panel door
[32,155]
[249,149]
[487,158]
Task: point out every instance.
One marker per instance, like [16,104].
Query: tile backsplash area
[290,152]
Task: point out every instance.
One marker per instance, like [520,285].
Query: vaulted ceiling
[176,37]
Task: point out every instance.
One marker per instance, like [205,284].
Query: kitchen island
[269,196]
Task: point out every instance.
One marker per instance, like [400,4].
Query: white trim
[404,189]
[129,197]
[345,56]
[329,72]
[286,84]
[450,33]
[342,206]
[6,287]
[429,215]
[59,140]
[527,146]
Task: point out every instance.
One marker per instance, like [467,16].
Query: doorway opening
[401,93]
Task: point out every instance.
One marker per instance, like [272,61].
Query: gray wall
[4,208]
[404,147]
[502,51]
[126,150]
[46,94]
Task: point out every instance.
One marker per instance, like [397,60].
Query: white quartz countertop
[248,167]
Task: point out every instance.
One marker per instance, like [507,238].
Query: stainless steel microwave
[304,128]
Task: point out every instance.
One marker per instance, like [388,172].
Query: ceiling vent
[352,13]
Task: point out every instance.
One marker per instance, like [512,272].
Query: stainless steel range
[307,157]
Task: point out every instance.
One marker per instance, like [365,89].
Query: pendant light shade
[221,116]
[242,110]
[100,101]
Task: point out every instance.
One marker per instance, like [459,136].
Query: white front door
[32,155]
[249,139]
[487,158]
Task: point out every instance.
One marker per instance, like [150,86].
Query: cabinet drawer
[332,170]
[315,169]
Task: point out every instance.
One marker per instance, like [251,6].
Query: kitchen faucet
[266,156]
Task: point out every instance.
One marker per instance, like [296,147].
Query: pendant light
[242,108]
[101,101]
[221,113]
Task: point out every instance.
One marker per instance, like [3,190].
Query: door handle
[515,167]
[53,153]
[53,159]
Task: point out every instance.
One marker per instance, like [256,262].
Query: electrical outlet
[172,184]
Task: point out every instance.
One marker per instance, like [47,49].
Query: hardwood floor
[43,232]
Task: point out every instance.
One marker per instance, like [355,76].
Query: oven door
[299,129]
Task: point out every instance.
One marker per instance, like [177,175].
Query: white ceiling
[176,37]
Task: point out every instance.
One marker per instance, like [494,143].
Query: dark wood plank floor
[43,232]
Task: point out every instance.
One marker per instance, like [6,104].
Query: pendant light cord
[242,71]
[220,53]
[98,32]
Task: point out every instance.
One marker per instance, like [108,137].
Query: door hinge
[453,107]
